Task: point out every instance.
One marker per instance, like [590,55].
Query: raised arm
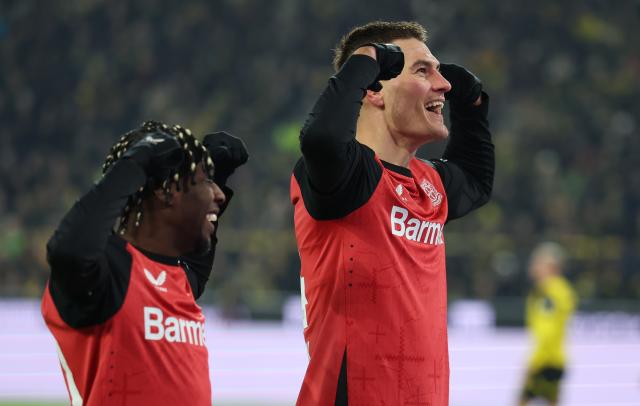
[228,153]
[76,250]
[468,163]
[327,139]
[80,270]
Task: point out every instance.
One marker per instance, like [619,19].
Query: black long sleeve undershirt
[90,267]
[76,250]
[468,163]
[337,174]
[327,139]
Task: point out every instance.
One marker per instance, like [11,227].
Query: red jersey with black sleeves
[372,248]
[375,286]
[125,321]
[151,351]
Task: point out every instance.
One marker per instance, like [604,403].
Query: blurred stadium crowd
[564,80]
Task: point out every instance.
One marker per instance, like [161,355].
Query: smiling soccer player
[121,303]
[369,217]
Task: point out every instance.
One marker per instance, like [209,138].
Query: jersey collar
[397,168]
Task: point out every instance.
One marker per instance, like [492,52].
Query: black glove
[465,86]
[227,152]
[158,154]
[391,61]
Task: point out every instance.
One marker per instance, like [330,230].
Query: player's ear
[375,98]
[164,197]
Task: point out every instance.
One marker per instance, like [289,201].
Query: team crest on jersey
[432,192]
[157,282]
[400,192]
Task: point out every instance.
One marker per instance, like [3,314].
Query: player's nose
[440,84]
[218,195]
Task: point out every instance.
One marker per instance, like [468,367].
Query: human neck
[154,237]
[373,132]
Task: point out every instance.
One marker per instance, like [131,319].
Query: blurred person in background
[369,216]
[549,307]
[120,302]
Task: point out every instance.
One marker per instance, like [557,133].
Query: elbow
[487,191]
[59,254]
[58,261]
[54,252]
[482,198]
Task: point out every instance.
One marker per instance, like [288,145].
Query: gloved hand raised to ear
[227,152]
[466,88]
[157,153]
[391,61]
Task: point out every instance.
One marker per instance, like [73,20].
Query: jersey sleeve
[468,163]
[88,263]
[337,174]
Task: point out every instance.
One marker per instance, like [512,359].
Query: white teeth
[434,104]
[212,217]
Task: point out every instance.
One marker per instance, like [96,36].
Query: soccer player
[121,303]
[549,308]
[369,217]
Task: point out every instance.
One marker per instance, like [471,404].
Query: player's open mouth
[434,106]
[212,217]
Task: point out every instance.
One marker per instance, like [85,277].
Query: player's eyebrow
[426,63]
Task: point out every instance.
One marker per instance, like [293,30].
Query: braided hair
[194,152]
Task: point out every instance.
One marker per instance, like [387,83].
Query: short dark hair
[376,31]
[194,152]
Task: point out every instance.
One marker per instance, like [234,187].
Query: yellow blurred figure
[549,308]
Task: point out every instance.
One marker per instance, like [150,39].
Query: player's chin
[203,245]
[439,131]
[434,133]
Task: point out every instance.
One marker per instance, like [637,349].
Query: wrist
[367,50]
[359,71]
[471,110]
[130,174]
[140,156]
[221,177]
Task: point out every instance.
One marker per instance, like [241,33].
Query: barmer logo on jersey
[171,329]
[412,229]
[157,282]
[432,192]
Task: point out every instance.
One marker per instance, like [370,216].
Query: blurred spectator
[564,79]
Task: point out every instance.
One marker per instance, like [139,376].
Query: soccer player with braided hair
[370,216]
[128,262]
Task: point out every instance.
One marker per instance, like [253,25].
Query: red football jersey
[151,352]
[373,284]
